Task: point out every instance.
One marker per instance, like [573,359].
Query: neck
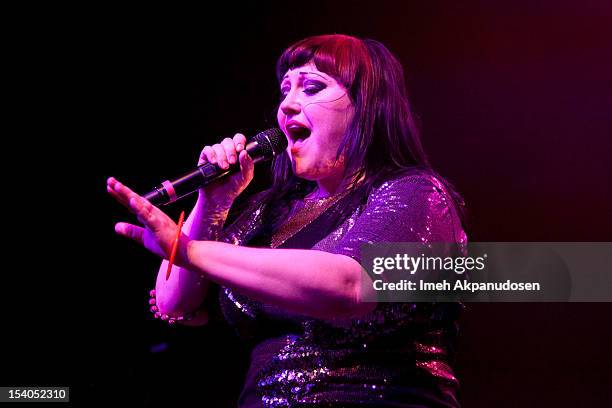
[332,185]
[329,186]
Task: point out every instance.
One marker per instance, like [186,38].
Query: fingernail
[239,146]
[232,159]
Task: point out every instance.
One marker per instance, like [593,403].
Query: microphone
[262,147]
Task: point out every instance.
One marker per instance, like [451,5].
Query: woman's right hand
[222,193]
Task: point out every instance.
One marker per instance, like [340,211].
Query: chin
[315,171]
[304,172]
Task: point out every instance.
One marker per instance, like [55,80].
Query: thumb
[130,231]
[247,166]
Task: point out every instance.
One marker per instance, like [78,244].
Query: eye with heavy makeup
[309,86]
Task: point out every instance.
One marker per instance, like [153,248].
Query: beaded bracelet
[171,320]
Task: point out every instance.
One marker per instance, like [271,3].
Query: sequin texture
[395,348]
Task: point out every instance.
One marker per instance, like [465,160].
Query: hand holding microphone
[225,158]
[226,155]
[231,157]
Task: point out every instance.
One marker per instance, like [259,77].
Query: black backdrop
[515,104]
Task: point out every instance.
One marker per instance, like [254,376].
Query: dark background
[515,104]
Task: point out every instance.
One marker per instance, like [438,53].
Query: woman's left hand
[158,231]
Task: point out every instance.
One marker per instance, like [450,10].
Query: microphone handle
[170,191]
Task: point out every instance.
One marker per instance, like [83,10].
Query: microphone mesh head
[271,142]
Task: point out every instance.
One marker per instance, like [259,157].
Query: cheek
[335,128]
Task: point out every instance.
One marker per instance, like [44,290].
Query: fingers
[133,232]
[225,153]
[207,156]
[220,155]
[247,166]
[119,192]
[116,196]
[146,213]
[149,215]
[230,150]
[240,142]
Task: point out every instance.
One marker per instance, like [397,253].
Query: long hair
[382,139]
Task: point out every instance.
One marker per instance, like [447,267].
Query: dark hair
[383,139]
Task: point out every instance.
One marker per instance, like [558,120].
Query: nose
[290,105]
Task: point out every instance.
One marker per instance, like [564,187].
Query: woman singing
[287,271]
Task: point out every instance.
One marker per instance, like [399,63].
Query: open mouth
[297,132]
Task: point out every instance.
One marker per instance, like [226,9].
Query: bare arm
[186,290]
[311,282]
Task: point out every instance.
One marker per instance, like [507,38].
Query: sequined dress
[398,355]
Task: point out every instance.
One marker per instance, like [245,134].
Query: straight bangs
[383,138]
[339,56]
[347,60]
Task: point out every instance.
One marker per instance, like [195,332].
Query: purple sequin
[358,360]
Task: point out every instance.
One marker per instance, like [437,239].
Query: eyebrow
[307,72]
